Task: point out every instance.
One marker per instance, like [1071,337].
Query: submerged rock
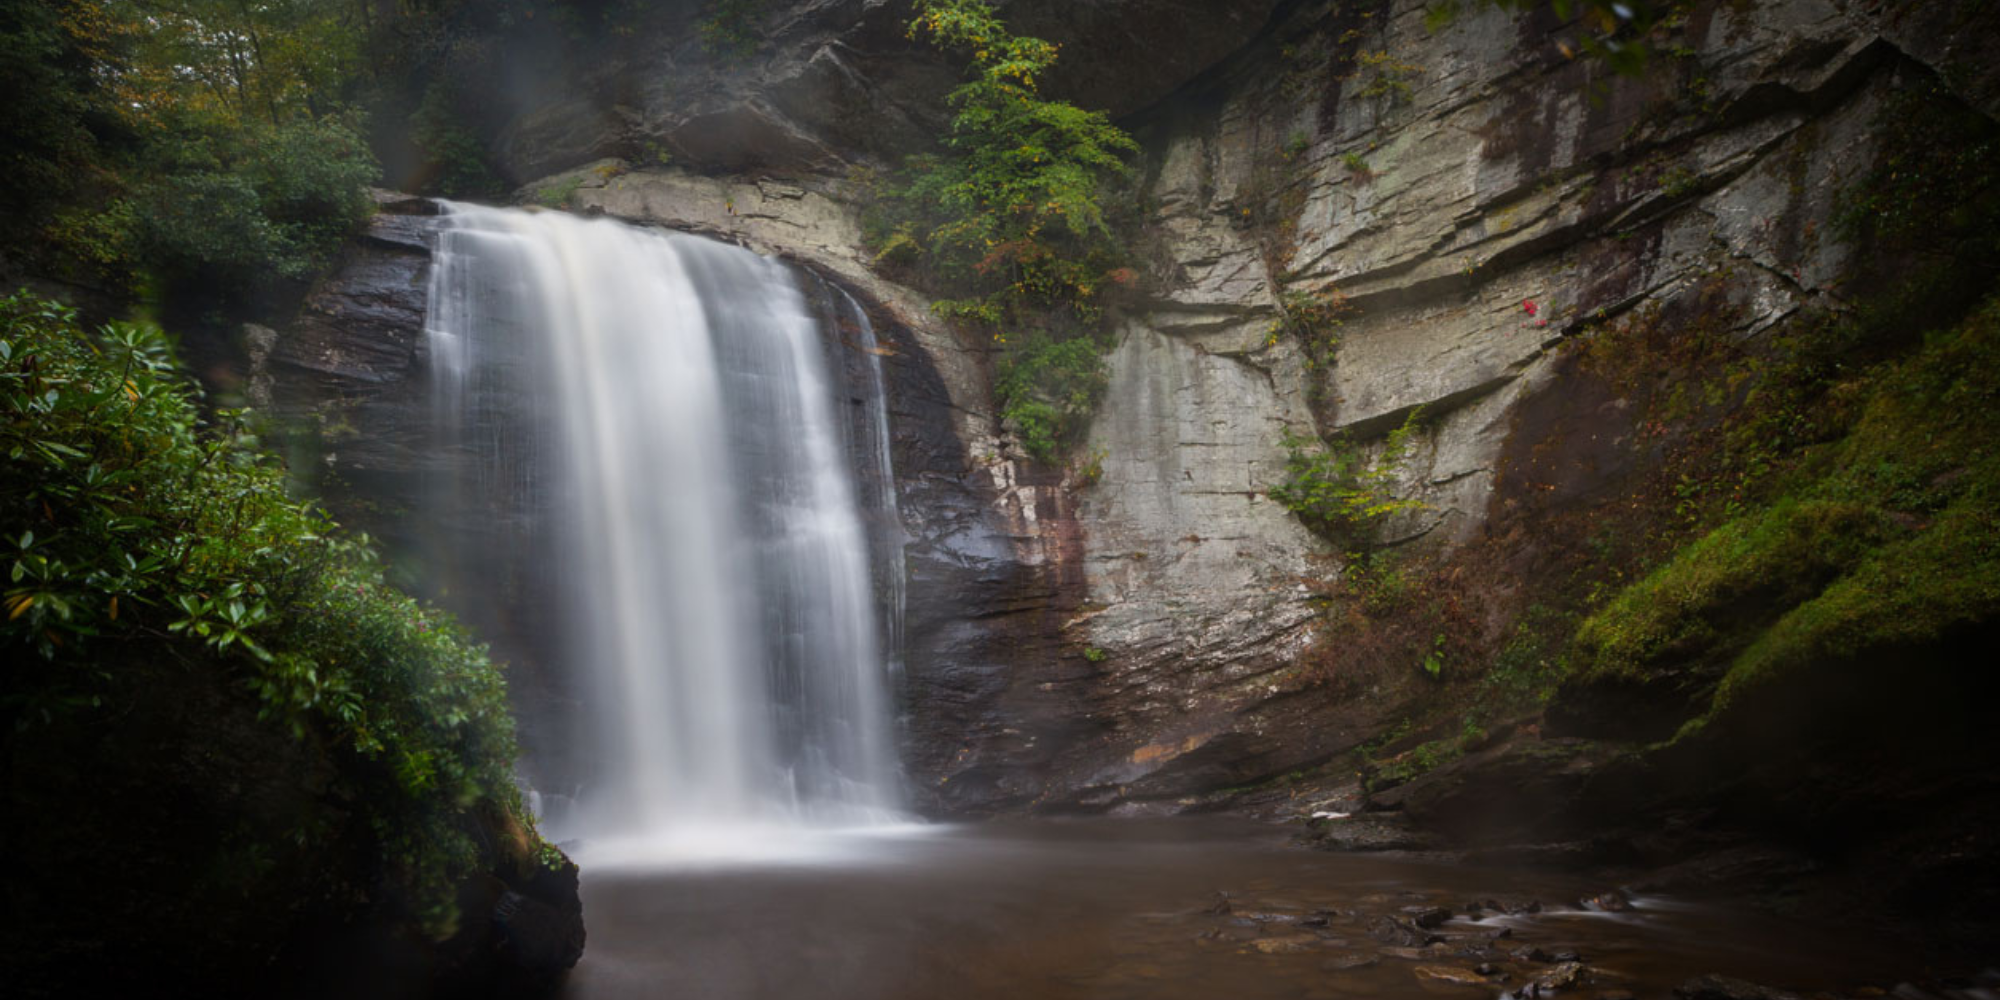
[1727,988]
[1611,901]
[1451,975]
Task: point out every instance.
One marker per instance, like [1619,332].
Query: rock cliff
[1138,638]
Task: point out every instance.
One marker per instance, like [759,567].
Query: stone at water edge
[1350,960]
[1611,901]
[1560,977]
[1287,944]
[1450,974]
[1727,988]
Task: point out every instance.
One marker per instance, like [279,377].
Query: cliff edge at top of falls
[1493,210]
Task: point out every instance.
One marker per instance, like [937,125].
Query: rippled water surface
[1162,909]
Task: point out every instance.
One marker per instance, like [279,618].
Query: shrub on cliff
[140,536]
[1009,221]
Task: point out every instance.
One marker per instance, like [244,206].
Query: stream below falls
[1160,909]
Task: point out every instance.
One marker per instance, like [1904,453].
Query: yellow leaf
[114,608]
[131,390]
[22,602]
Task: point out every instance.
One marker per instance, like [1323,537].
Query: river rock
[1347,961]
[1715,987]
[1609,901]
[1451,975]
[1561,977]
[1287,944]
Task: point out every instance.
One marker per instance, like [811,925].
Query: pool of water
[1154,909]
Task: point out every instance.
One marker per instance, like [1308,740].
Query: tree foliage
[203,142]
[1009,221]
[1010,215]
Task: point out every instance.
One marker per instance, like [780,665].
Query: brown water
[1108,909]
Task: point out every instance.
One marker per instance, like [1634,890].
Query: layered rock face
[1131,639]
[814,86]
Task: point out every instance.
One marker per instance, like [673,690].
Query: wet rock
[1450,974]
[1486,968]
[1428,917]
[1397,932]
[1367,832]
[1413,954]
[1346,961]
[1287,944]
[1611,901]
[1565,956]
[1532,954]
[519,936]
[1561,977]
[1221,906]
[1727,988]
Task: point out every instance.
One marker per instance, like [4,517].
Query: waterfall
[714,567]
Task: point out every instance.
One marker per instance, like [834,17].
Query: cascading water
[715,562]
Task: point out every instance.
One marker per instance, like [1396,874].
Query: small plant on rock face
[1338,491]
[728,27]
[1091,469]
[1385,76]
[1047,391]
[1434,660]
[1679,181]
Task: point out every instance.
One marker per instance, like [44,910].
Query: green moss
[558,195]
[1905,595]
[1417,761]
[1886,537]
[1708,595]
